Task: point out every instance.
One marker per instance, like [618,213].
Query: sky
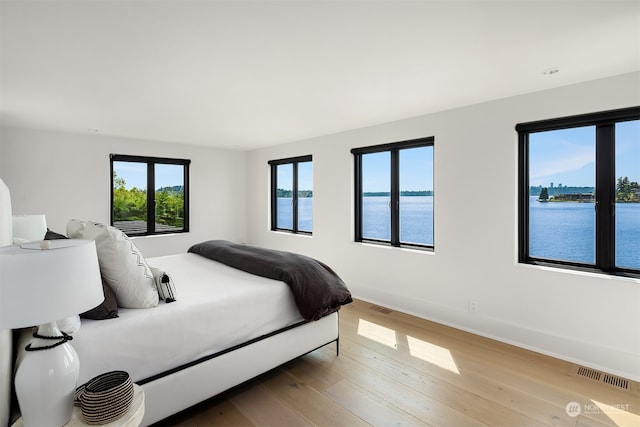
[560,157]
[135,174]
[305,176]
[567,156]
[416,170]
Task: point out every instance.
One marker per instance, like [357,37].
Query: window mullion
[185,181]
[294,198]
[274,197]
[151,198]
[395,198]
[523,207]
[605,197]
[112,204]
[359,195]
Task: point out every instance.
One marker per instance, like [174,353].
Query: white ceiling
[252,74]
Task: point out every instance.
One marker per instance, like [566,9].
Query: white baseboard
[587,354]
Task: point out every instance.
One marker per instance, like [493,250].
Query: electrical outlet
[473,306]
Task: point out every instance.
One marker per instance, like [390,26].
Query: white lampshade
[43,285]
[29,228]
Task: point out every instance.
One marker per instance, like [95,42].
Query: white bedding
[217,307]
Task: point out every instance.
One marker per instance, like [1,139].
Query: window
[292,194]
[394,193]
[579,197]
[137,211]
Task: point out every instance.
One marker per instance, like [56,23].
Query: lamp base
[46,380]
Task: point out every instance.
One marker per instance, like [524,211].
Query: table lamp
[29,228]
[39,284]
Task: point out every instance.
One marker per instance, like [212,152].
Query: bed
[225,327]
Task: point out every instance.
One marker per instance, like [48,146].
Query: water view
[558,230]
[566,231]
[416,219]
[562,179]
[305,213]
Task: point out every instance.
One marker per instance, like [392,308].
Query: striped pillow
[122,266]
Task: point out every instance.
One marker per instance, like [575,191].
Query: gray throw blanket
[317,290]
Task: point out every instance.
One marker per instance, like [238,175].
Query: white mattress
[217,307]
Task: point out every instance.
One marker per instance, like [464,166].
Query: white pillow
[122,266]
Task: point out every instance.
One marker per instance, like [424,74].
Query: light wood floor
[396,369]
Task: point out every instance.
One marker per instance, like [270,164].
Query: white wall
[587,318]
[66,175]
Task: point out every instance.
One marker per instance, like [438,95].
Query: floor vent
[612,380]
[379,309]
[616,381]
[589,373]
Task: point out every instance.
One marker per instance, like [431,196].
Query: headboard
[6,350]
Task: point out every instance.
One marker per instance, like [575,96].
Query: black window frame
[394,149]
[151,207]
[294,161]
[605,188]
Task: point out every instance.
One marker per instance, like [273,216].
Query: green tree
[627,191]
[128,204]
[544,194]
[170,207]
[131,204]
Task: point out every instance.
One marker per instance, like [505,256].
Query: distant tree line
[402,193]
[281,192]
[309,193]
[535,190]
[626,192]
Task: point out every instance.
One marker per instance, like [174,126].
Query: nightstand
[131,418]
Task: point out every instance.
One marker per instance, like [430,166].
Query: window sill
[410,249]
[289,233]
[581,271]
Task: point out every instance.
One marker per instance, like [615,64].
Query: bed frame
[187,385]
[193,383]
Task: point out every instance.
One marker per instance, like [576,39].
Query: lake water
[305,213]
[559,230]
[416,219]
[566,231]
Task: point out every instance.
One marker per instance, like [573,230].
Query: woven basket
[106,397]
